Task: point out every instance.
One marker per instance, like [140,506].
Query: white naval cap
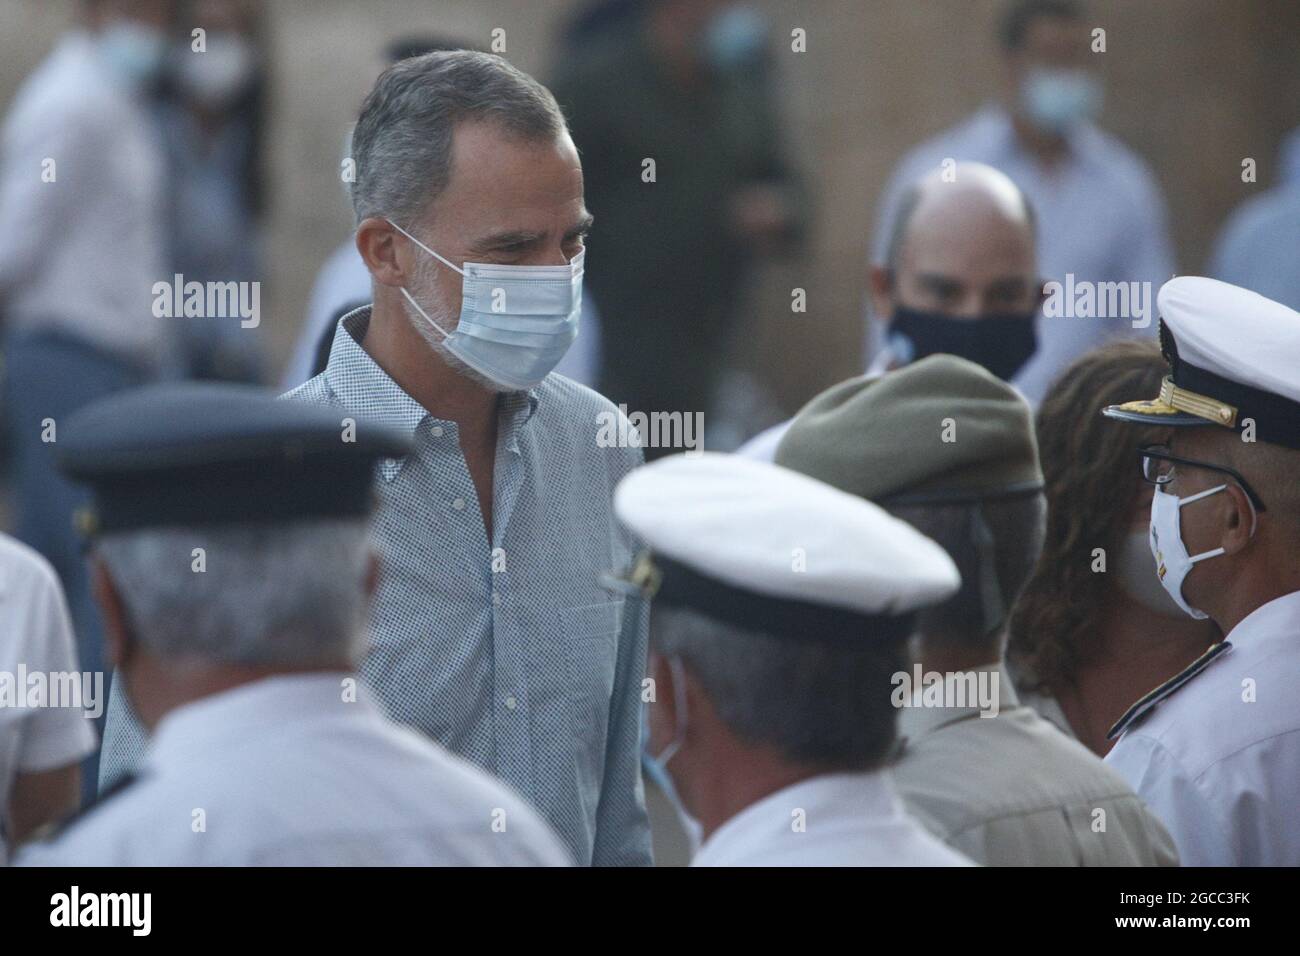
[766,547]
[1233,355]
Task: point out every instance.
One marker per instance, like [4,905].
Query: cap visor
[1152,413]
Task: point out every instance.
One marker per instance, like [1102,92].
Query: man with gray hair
[949,448]
[491,632]
[782,608]
[233,588]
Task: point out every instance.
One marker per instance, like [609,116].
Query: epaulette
[1149,701]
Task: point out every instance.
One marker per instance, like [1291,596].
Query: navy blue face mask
[1001,343]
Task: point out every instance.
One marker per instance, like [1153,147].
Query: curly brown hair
[1092,487]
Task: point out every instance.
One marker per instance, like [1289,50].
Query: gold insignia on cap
[85,521]
[1202,406]
[1174,400]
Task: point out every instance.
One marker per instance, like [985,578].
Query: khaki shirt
[1011,790]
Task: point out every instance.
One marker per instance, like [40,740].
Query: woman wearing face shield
[1093,630]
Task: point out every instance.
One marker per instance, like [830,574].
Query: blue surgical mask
[516,322]
[734,37]
[1054,99]
[135,51]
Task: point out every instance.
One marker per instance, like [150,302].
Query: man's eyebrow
[936,281]
[583,226]
[522,238]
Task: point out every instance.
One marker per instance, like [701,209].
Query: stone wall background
[1194,85]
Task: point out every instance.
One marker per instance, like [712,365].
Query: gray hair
[402,142]
[267,594]
[995,545]
[819,703]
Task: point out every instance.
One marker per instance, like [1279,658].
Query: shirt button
[436,431]
[511,703]
[459,504]
[496,598]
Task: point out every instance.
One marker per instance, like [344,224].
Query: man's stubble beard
[424,289]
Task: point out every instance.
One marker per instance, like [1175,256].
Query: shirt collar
[915,722]
[864,796]
[361,385]
[1267,625]
[236,715]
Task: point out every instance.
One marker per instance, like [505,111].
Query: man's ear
[377,242]
[882,293]
[1240,519]
[117,631]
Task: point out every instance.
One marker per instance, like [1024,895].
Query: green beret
[941,426]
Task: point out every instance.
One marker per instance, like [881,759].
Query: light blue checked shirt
[532,671]
[529,670]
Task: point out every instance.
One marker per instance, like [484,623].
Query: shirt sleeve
[52,737]
[1199,833]
[34,211]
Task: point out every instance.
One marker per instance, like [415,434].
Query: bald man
[960,277]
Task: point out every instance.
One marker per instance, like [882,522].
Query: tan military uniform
[1011,790]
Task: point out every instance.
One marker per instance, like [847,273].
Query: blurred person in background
[1259,247]
[1101,217]
[40,746]
[960,278]
[82,212]
[1093,629]
[684,83]
[213,129]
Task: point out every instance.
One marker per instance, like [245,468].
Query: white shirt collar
[234,715]
[864,798]
[1269,623]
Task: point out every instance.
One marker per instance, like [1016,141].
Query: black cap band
[684,587]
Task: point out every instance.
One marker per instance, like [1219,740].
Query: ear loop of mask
[679,721]
[409,297]
[1205,494]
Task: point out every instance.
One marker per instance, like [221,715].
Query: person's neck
[948,656]
[1048,149]
[1137,650]
[1266,579]
[420,372]
[742,778]
[157,687]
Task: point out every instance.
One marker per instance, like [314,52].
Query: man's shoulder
[588,420]
[1013,764]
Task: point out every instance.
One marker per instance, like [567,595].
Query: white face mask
[1173,563]
[516,322]
[1137,577]
[221,72]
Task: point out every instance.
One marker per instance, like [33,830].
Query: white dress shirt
[35,637]
[80,254]
[850,819]
[286,772]
[1218,760]
[1100,216]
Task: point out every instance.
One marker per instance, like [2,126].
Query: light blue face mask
[135,51]
[516,322]
[1055,100]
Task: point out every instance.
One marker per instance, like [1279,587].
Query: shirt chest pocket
[591,644]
